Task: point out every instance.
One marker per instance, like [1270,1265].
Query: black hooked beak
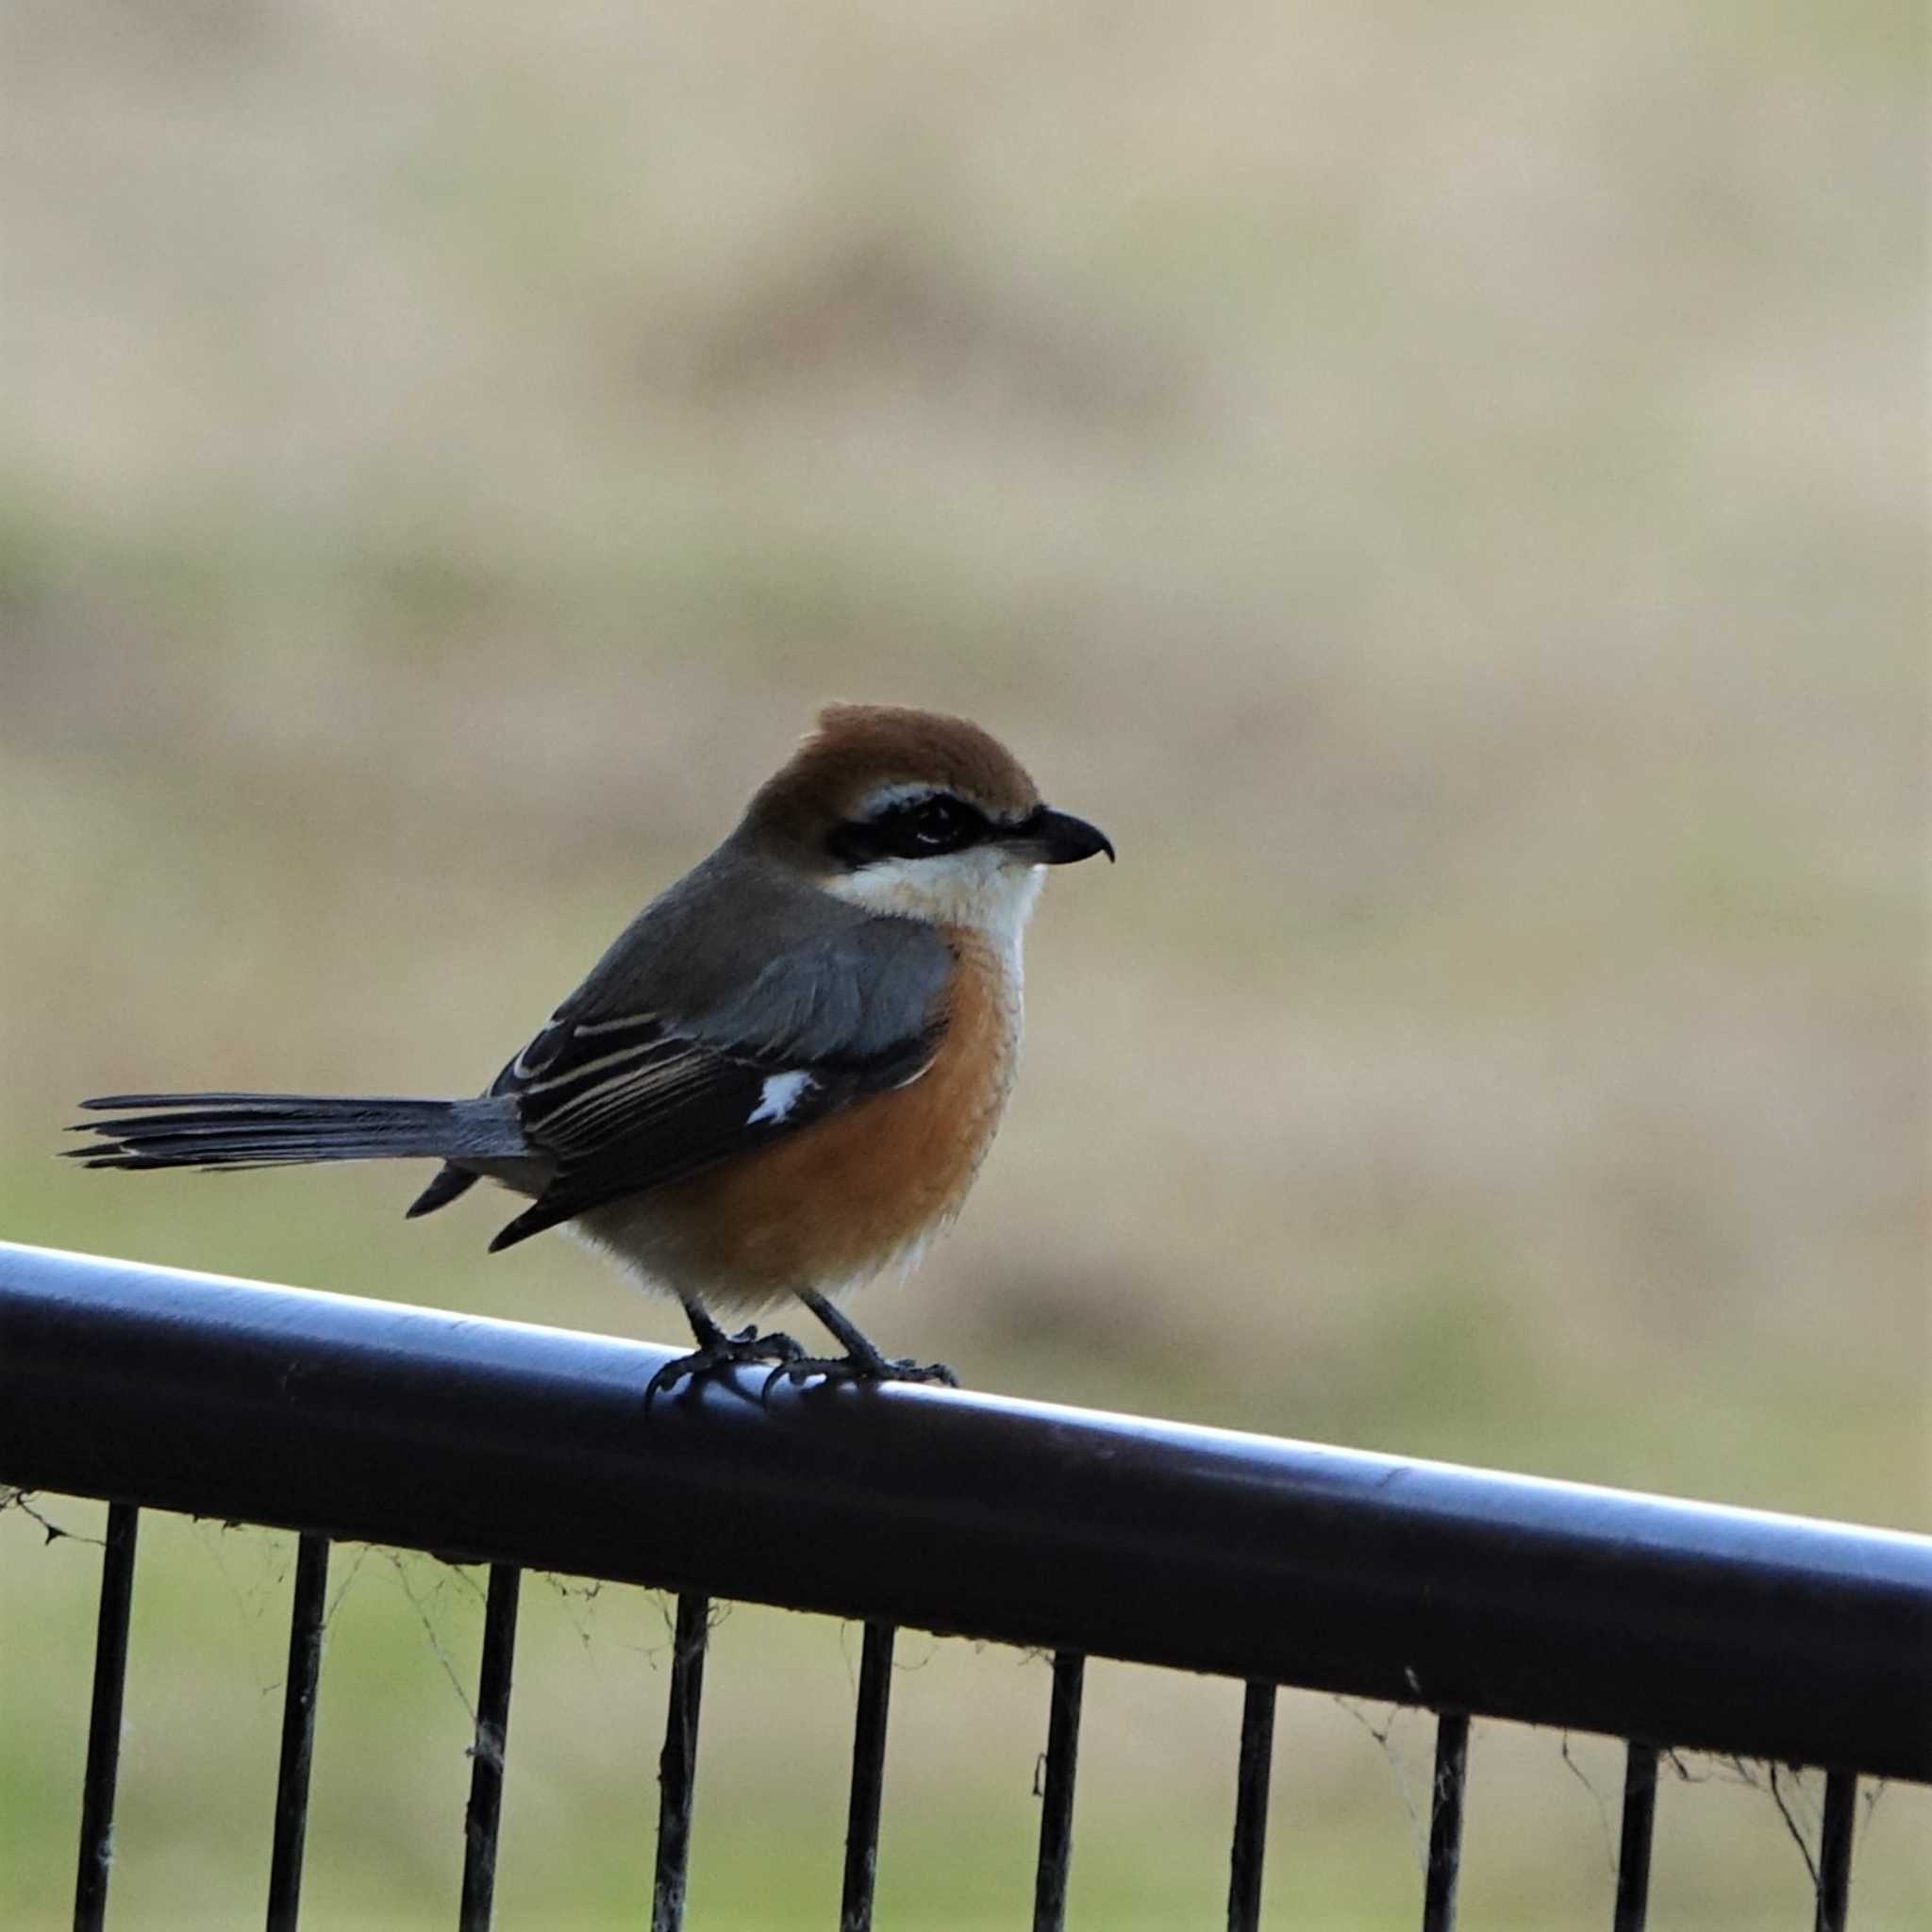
[1057,838]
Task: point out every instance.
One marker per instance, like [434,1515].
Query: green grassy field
[1444,489]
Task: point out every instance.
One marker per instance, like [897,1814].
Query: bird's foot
[720,1351]
[861,1361]
[857,1367]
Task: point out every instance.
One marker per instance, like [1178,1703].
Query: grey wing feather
[622,1102]
[845,996]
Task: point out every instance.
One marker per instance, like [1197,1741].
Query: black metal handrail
[1664,1622]
[1374,1576]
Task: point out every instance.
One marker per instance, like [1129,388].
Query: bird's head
[917,814]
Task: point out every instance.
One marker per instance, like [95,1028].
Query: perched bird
[780,1079]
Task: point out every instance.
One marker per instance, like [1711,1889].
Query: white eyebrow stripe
[780,1095]
[884,797]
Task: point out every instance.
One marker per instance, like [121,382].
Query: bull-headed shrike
[780,1080]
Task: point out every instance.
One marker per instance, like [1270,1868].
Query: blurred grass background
[1443,488]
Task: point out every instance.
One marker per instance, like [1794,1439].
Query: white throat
[984,889]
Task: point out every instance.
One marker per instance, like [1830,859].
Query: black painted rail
[1474,1593]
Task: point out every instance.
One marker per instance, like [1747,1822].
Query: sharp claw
[778,1375]
[845,1368]
[747,1345]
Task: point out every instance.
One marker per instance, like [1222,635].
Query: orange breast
[839,1200]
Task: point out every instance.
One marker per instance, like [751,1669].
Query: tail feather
[241,1130]
[449,1184]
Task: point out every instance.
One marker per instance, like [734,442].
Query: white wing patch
[780,1095]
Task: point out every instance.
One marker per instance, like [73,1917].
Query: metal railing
[1664,1622]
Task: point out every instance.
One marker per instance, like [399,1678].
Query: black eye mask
[917,828]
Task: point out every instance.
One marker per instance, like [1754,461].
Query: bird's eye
[917,829]
[934,824]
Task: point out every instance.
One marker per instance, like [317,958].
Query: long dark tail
[241,1130]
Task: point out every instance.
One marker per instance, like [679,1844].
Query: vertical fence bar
[1057,1811]
[487,1755]
[1633,1844]
[1835,1850]
[1446,1821]
[678,1762]
[868,1778]
[104,1720]
[1251,1808]
[298,1732]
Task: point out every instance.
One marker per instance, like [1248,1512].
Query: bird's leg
[717,1350]
[861,1361]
